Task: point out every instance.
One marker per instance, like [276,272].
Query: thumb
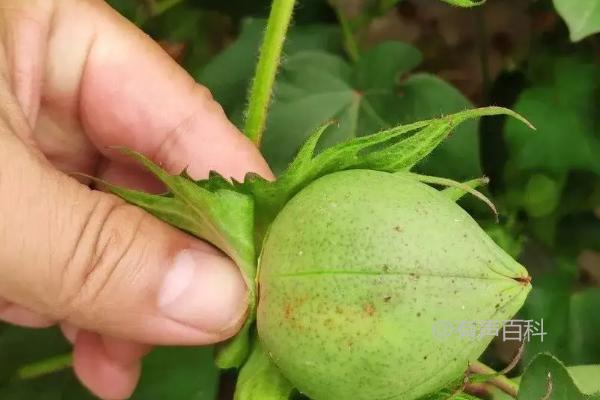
[88,258]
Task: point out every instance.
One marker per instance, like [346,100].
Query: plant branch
[45,367]
[266,69]
[348,34]
[500,381]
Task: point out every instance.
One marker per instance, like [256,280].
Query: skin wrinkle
[73,251]
[171,137]
[114,265]
[172,140]
[86,154]
[52,183]
[83,271]
[28,27]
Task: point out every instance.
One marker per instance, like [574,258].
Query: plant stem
[44,367]
[348,34]
[266,69]
[500,381]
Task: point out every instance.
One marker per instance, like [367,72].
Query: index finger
[124,90]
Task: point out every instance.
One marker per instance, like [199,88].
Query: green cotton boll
[357,273]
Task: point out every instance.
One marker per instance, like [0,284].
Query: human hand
[75,79]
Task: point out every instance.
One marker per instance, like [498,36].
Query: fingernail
[203,290]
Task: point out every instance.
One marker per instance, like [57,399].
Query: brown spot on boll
[369,309]
[288,311]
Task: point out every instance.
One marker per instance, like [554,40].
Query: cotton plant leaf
[585,378]
[566,315]
[547,378]
[259,379]
[582,17]
[377,92]
[228,74]
[562,103]
[177,373]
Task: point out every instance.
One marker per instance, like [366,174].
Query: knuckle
[203,92]
[208,102]
[173,152]
[103,251]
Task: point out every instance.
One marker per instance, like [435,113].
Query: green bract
[359,261]
[358,272]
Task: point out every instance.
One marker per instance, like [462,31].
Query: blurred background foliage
[371,64]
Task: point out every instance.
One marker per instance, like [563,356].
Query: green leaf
[178,373]
[561,104]
[260,379]
[424,96]
[570,319]
[375,94]
[547,374]
[62,385]
[584,376]
[581,16]
[228,74]
[542,195]
[21,346]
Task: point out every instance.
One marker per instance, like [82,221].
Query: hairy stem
[266,69]
[500,381]
[350,44]
[45,367]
